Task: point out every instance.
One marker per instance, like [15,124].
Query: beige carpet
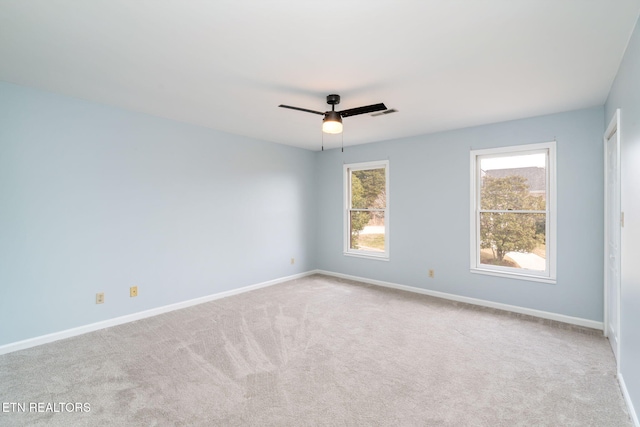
[321,351]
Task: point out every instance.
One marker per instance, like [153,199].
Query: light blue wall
[625,94]
[429,212]
[97,199]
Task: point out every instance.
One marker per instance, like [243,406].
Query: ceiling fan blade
[362,110]
[301,109]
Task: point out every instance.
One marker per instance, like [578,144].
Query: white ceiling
[228,64]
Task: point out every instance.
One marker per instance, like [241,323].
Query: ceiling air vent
[389,111]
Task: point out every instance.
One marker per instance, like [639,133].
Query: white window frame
[348,168]
[549,275]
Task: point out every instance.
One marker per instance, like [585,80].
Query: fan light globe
[332,122]
[332,127]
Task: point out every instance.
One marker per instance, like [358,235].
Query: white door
[613,220]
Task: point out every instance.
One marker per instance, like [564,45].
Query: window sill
[529,277]
[367,256]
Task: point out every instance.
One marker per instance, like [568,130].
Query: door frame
[614,127]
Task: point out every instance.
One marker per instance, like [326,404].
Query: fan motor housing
[333,99]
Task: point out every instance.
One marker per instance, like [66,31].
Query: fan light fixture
[332,122]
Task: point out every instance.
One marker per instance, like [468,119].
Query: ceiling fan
[332,122]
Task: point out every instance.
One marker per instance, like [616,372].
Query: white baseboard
[44,339]
[513,308]
[627,399]
[68,333]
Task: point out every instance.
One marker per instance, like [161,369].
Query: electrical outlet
[293,260]
[431,274]
[100,298]
[133,291]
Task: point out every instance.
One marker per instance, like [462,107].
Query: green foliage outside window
[505,232]
[368,191]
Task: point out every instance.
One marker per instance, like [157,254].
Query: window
[513,218]
[367,210]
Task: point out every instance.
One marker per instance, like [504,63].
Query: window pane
[516,182]
[514,240]
[367,231]
[368,189]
